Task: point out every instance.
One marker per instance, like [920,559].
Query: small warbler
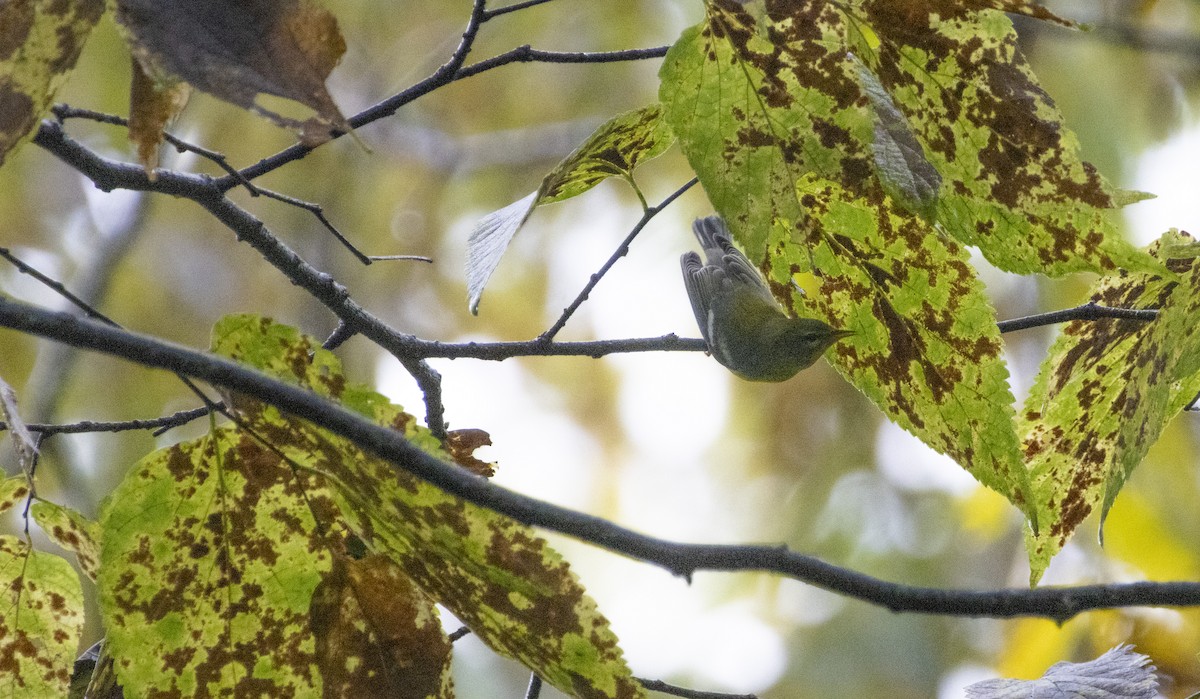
[745,328]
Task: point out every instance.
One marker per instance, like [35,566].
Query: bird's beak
[839,334]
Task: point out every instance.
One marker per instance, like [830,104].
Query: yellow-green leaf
[210,555]
[761,96]
[498,576]
[41,620]
[40,41]
[614,149]
[926,347]
[1014,183]
[13,491]
[1105,392]
[72,531]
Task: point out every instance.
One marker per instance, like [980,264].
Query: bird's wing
[703,282]
[742,272]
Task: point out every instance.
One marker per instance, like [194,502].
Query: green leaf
[40,41]
[1014,183]
[760,98]
[41,621]
[614,149]
[13,491]
[1105,393]
[926,347]
[498,576]
[72,531]
[906,175]
[210,554]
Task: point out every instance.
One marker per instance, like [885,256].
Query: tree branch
[680,559]
[1088,311]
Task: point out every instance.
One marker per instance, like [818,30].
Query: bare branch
[1088,311]
[660,686]
[168,421]
[1057,603]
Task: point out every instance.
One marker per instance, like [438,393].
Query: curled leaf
[1118,674]
[237,50]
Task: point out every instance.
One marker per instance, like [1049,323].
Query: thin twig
[175,420]
[458,633]
[622,250]
[512,8]
[660,686]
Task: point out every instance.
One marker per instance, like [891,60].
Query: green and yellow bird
[744,326]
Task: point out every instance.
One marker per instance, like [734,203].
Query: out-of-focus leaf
[1118,674]
[13,491]
[72,531]
[238,50]
[151,107]
[1106,391]
[41,620]
[498,576]
[614,149]
[40,41]
[378,635]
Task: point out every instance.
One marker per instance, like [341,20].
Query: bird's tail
[711,231]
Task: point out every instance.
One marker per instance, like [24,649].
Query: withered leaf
[239,50]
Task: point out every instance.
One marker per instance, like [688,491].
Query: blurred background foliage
[668,444]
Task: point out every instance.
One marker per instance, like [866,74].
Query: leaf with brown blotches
[1106,391]
[497,575]
[40,41]
[377,634]
[239,50]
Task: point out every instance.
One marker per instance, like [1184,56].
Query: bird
[745,328]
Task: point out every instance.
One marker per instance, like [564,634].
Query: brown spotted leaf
[41,621]
[239,50]
[763,93]
[72,531]
[210,552]
[13,491]
[498,576]
[1014,183]
[1105,393]
[378,635]
[40,41]
[614,149]
[926,347]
